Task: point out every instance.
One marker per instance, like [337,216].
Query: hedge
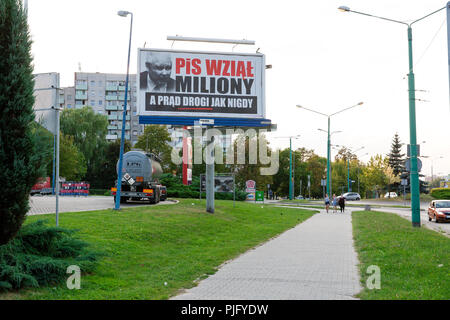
[440,193]
[176,189]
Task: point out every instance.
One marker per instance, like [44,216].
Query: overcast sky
[322,58]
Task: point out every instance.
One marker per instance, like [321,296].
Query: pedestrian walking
[327,203]
[334,203]
[342,203]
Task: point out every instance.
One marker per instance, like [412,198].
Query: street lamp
[414,174]
[290,163]
[122,141]
[328,143]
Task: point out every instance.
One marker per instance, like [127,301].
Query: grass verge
[152,252]
[414,262]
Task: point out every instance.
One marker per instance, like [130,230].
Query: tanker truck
[141,171]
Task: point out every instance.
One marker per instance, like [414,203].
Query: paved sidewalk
[314,260]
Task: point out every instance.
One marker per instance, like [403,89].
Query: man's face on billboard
[159,68]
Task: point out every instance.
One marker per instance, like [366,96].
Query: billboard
[221,183]
[200,84]
[46,96]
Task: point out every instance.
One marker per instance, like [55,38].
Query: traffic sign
[408,165]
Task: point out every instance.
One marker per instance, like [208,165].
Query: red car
[439,210]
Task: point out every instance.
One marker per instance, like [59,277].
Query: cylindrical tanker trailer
[141,171]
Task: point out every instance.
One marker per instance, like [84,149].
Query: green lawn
[153,251]
[414,262]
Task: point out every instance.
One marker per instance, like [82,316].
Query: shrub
[99,192]
[176,189]
[440,193]
[39,255]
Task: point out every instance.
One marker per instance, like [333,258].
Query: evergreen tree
[396,158]
[21,153]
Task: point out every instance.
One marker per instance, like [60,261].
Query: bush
[99,192]
[440,193]
[40,255]
[176,189]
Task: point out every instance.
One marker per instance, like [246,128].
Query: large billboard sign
[221,183]
[200,84]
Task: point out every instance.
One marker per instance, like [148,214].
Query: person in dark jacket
[341,203]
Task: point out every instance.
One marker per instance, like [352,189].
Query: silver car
[352,196]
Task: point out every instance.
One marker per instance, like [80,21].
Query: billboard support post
[234,191]
[210,179]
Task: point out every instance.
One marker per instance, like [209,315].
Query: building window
[100,102]
[92,83]
[92,93]
[92,102]
[69,97]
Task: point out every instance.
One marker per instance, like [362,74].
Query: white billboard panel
[200,84]
[46,95]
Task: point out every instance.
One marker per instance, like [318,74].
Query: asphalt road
[386,206]
[47,204]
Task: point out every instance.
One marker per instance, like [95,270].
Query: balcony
[112,117]
[112,127]
[111,108]
[111,98]
[121,88]
[81,86]
[121,97]
[111,87]
[127,127]
[81,96]
[111,137]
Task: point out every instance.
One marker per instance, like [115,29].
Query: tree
[88,130]
[72,162]
[374,175]
[156,140]
[396,158]
[22,155]
[345,154]
[107,173]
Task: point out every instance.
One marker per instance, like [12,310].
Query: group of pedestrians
[334,202]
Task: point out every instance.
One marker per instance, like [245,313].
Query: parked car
[439,210]
[391,195]
[299,198]
[352,196]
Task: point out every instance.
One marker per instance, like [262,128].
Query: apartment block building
[105,93]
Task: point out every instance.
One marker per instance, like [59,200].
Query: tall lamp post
[331,175]
[290,163]
[414,174]
[328,143]
[122,141]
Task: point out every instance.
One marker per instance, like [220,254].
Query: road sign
[323,182]
[404,182]
[250,186]
[408,150]
[408,165]
[259,196]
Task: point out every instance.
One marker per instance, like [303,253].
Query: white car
[391,195]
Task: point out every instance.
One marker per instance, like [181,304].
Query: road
[387,206]
[46,204]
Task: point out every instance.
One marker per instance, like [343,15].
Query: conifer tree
[396,158]
[21,154]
